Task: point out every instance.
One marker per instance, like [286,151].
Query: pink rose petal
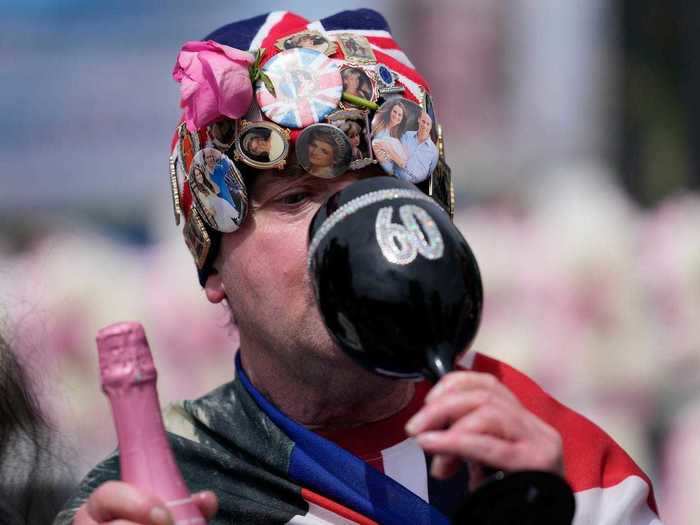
[214,82]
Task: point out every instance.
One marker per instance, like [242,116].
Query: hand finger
[467,380]
[116,500]
[207,502]
[488,450]
[444,466]
[82,517]
[121,522]
[477,475]
[434,416]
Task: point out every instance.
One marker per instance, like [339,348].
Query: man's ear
[214,288]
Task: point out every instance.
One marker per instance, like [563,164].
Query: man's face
[425,123]
[258,146]
[262,270]
[210,159]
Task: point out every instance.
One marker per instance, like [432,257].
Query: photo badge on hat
[309,39]
[222,134]
[355,124]
[402,141]
[357,82]
[262,144]
[324,151]
[188,144]
[219,192]
[356,48]
[197,238]
[307,86]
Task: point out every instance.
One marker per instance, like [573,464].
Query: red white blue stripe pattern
[264,31]
[307,85]
[382,475]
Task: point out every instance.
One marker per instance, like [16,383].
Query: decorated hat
[254,91]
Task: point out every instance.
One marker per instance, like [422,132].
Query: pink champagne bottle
[129,380]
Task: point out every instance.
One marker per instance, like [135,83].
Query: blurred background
[573,132]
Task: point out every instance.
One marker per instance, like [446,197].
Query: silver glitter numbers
[418,233]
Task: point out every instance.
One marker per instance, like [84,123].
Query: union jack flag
[307,85]
[264,30]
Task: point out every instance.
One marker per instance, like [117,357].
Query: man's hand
[116,502]
[471,416]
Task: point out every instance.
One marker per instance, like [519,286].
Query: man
[422,152]
[305,435]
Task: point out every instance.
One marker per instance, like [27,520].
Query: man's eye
[295,198]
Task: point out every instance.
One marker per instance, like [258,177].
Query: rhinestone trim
[349,208]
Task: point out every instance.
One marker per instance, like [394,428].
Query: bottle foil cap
[124,356]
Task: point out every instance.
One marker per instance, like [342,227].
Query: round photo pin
[357,82]
[307,87]
[218,190]
[355,124]
[324,151]
[222,134]
[262,145]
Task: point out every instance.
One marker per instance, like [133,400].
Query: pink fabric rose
[214,82]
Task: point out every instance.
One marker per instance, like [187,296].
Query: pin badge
[218,190]
[355,124]
[222,134]
[307,84]
[324,151]
[357,83]
[401,140]
[262,145]
[188,145]
[197,238]
[310,39]
[393,90]
[385,76]
[356,48]
[440,186]
[427,105]
[175,190]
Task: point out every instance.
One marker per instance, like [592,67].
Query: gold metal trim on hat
[330,47]
[243,126]
[441,186]
[351,56]
[197,238]
[393,90]
[440,141]
[175,190]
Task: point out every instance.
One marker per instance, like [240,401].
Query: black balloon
[399,290]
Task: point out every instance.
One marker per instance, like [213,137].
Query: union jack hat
[256,90]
